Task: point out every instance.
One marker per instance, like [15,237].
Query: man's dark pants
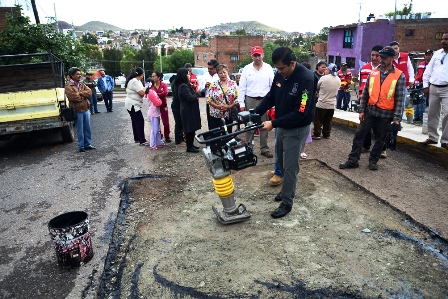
[380,137]
[108,96]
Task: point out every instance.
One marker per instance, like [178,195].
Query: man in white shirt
[255,83]
[435,87]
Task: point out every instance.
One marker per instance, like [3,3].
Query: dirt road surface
[351,233]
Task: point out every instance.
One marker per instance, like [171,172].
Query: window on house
[205,57]
[348,39]
[439,35]
[409,32]
[197,57]
[330,59]
[350,62]
[234,58]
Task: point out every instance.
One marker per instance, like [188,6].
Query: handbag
[69,114]
[233,113]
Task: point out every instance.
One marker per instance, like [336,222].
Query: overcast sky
[288,15]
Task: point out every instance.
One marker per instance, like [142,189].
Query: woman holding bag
[134,103]
[222,97]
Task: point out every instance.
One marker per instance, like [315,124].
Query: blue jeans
[82,125]
[93,103]
[108,96]
[288,145]
[342,100]
[420,108]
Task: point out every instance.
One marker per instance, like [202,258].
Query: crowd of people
[288,102]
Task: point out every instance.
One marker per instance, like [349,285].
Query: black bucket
[71,238]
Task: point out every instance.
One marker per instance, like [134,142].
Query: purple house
[352,43]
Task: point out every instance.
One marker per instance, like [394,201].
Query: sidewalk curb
[430,150]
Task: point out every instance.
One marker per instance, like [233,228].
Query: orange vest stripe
[383,95]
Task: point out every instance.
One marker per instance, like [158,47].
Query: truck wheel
[68,132]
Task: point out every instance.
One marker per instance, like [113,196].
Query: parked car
[99,96]
[166,80]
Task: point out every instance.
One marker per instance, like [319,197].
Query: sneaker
[275,180]
[281,211]
[364,150]
[181,144]
[348,164]
[383,155]
[373,166]
[168,140]
[257,132]
[315,137]
[271,173]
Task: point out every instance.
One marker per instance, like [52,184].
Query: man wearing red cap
[255,83]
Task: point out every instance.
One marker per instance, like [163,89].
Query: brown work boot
[275,180]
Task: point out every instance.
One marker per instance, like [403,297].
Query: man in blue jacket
[292,95]
[106,86]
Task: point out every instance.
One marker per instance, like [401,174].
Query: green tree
[323,34]
[164,66]
[149,56]
[111,61]
[129,62]
[282,42]
[179,58]
[20,36]
[240,32]
[89,38]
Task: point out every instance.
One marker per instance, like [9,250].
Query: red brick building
[319,48]
[418,35]
[3,12]
[228,50]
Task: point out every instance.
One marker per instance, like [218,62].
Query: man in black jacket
[292,95]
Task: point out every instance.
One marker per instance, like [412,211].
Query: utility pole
[359,15]
[55,16]
[36,15]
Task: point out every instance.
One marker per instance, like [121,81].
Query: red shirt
[347,78]
[402,65]
[420,70]
[363,75]
[194,82]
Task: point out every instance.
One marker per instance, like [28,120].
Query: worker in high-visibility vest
[381,104]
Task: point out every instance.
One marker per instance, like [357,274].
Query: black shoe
[196,147]
[96,112]
[278,197]
[373,166]
[348,164]
[82,150]
[91,147]
[168,140]
[111,110]
[192,150]
[281,211]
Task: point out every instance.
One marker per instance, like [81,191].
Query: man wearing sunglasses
[435,87]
